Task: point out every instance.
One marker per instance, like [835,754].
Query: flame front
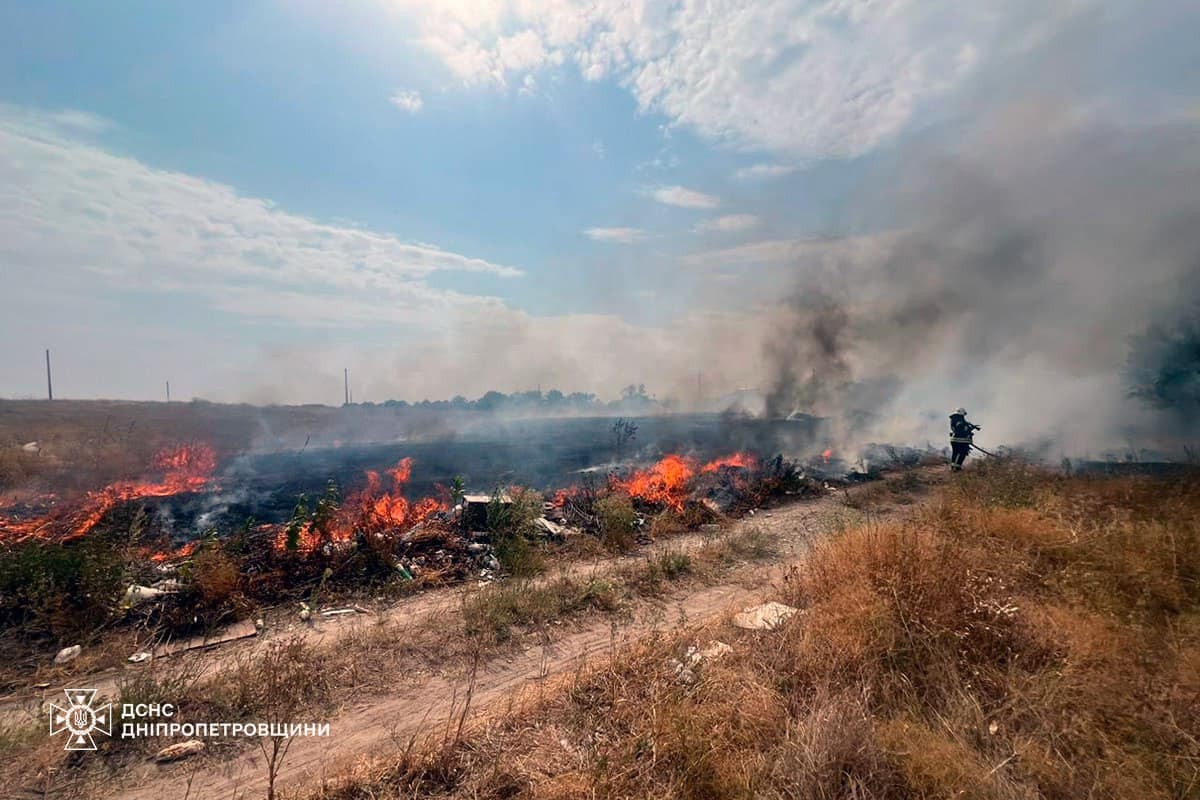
[735,461]
[186,468]
[373,510]
[665,483]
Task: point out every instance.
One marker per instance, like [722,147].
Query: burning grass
[1025,635]
[64,573]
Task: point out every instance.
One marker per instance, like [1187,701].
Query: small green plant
[510,520]
[618,521]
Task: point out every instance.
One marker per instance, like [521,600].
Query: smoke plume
[1026,265]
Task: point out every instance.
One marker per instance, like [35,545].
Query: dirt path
[422,703]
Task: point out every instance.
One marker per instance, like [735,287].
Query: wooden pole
[346,383]
[49,383]
[168,391]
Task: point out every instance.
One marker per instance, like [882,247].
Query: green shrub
[61,589]
[617,521]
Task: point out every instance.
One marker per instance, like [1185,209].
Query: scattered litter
[765,617]
[136,595]
[993,728]
[260,624]
[305,612]
[140,656]
[68,654]
[238,630]
[715,650]
[685,668]
[179,751]
[45,685]
[551,528]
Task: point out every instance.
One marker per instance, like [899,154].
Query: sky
[244,198]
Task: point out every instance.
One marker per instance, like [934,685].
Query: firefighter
[961,435]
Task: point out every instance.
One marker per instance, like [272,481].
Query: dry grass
[1023,636]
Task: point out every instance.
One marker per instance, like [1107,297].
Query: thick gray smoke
[1024,268]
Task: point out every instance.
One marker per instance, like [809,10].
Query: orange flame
[827,454]
[665,483]
[737,460]
[183,552]
[372,510]
[186,468]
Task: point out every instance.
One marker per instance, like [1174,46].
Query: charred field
[218,528]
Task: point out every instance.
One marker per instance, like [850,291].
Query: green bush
[511,526]
[60,590]
[617,521]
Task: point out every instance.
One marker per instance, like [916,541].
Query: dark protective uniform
[961,435]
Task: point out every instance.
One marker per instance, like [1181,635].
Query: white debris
[31,447]
[548,527]
[685,668]
[68,654]
[260,624]
[765,617]
[715,650]
[140,656]
[337,612]
[136,595]
[180,750]
[305,612]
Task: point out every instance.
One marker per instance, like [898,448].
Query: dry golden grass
[1024,635]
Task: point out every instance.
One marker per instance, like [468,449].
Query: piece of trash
[259,624]
[140,656]
[993,728]
[305,612]
[715,650]
[135,594]
[362,610]
[765,617]
[180,750]
[549,527]
[68,654]
[337,612]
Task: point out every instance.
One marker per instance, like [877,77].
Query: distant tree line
[634,399]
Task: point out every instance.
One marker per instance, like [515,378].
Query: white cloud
[684,198]
[730,223]
[407,100]
[763,171]
[616,235]
[75,215]
[599,149]
[818,79]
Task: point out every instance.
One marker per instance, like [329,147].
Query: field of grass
[1023,635]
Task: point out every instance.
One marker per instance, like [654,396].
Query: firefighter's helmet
[960,411]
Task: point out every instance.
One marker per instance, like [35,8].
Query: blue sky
[455,196]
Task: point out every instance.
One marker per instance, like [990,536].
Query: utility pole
[168,391]
[49,383]
[346,383]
